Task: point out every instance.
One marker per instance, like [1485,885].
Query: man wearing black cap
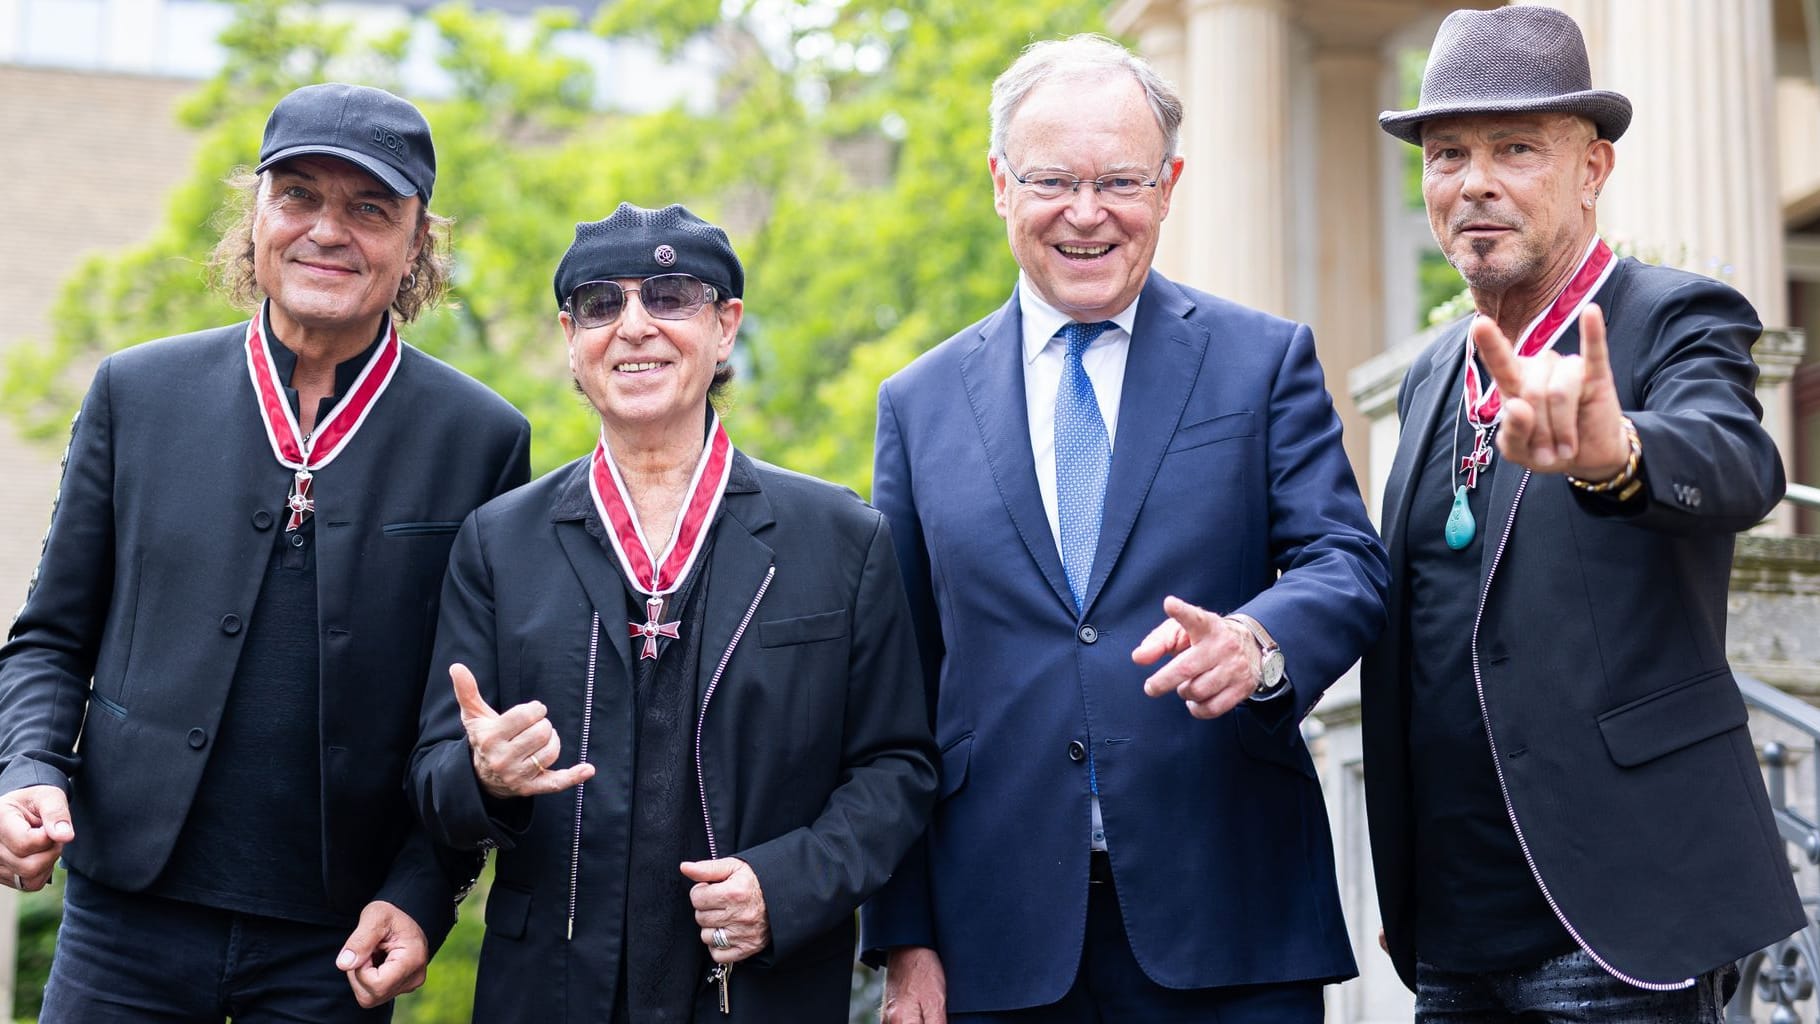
[721,646]
[1567,819]
[244,561]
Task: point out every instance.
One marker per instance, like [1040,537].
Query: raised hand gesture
[515,752]
[1561,413]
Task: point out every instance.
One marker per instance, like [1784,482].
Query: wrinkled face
[331,244]
[1086,257]
[643,374]
[1506,193]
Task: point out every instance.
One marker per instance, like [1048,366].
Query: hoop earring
[410,279]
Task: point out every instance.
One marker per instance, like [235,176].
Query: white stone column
[1349,276]
[1696,177]
[1697,171]
[1238,103]
[1163,41]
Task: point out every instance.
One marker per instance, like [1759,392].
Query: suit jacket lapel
[993,374]
[736,565]
[1164,361]
[1430,398]
[592,565]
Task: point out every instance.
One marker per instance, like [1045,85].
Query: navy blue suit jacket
[1228,488]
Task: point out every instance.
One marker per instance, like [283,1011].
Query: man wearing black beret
[723,647]
[244,561]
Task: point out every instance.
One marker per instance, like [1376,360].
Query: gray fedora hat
[1509,60]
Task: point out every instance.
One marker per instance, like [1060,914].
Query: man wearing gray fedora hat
[1567,820]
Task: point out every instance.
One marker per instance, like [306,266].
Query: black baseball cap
[384,135]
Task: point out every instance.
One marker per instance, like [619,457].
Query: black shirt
[252,842]
[664,964]
[1477,905]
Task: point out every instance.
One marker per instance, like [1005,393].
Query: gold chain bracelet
[1625,483]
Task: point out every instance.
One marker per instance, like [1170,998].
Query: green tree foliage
[845,149]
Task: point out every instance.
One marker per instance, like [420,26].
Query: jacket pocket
[1672,718]
[1218,428]
[427,529]
[803,629]
[111,707]
[955,758]
[508,910]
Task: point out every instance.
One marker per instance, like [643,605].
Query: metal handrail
[1803,496]
[1782,976]
[1796,828]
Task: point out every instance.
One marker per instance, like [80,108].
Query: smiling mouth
[1084,252]
[636,367]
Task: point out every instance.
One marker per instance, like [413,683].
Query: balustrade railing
[1777,986]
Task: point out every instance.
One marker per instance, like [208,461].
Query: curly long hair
[231,267]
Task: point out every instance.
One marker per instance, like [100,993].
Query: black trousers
[126,957]
[1111,988]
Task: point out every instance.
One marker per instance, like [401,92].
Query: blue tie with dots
[1083,453]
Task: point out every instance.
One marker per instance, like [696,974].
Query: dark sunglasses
[666,297]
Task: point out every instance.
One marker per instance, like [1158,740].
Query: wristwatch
[1270,661]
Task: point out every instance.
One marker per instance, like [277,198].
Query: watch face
[1271,667]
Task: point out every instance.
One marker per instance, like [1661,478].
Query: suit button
[262,520]
[296,540]
[198,739]
[1088,634]
[230,624]
[1077,752]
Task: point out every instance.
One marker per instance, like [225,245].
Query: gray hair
[1083,54]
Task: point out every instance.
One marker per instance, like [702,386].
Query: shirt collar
[346,371]
[1041,320]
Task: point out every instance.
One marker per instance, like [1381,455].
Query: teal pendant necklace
[1461,527]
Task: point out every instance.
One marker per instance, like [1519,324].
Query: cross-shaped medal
[651,629]
[299,501]
[1478,460]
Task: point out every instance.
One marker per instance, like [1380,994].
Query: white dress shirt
[1104,362]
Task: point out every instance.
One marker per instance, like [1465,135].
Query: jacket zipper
[1497,764]
[721,974]
[587,720]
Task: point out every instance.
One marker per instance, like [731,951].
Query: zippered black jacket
[816,759]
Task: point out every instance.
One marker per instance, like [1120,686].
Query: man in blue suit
[1106,451]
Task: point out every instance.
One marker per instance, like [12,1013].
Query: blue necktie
[1083,453]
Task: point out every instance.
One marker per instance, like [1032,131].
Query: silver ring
[720,939]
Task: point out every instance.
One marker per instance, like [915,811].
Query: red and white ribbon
[307,453]
[1483,404]
[651,575]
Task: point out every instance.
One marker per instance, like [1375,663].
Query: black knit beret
[636,242]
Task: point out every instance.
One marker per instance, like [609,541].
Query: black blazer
[154,560]
[1618,729]
[817,764]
